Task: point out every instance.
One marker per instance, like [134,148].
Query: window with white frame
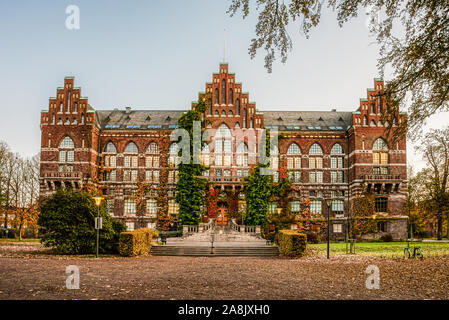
[242,155]
[337,177]
[129,226]
[205,155]
[272,209]
[274,157]
[337,228]
[151,206]
[316,206]
[295,206]
[130,207]
[110,203]
[315,176]
[174,159]
[173,207]
[66,155]
[338,206]
[293,157]
[110,147]
[315,163]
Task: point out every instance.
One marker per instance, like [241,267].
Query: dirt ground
[27,272]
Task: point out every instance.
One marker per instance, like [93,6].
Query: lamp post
[98,223]
[329,204]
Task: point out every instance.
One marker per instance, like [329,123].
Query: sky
[160,53]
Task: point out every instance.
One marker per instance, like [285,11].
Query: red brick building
[329,155]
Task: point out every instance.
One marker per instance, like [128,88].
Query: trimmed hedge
[293,244]
[136,242]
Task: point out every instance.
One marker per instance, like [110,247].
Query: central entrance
[222,217]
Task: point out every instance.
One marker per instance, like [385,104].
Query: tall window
[274,157]
[223,91]
[151,206]
[152,158]
[205,155]
[337,162]
[66,155]
[173,207]
[338,206]
[223,146]
[242,155]
[209,112]
[217,97]
[244,118]
[316,206]
[231,96]
[293,157]
[237,107]
[174,159]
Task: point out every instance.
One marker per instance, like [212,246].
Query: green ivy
[190,188]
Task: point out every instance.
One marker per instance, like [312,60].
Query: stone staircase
[227,243]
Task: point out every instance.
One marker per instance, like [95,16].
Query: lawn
[17,240]
[385,249]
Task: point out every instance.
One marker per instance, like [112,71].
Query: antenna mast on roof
[224,46]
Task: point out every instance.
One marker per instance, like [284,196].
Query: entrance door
[222,217]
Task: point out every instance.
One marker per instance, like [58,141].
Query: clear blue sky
[159,54]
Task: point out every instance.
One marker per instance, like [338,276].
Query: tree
[363,210]
[435,150]
[67,224]
[419,57]
[259,188]
[190,189]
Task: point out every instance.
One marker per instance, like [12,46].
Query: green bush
[67,224]
[136,242]
[292,243]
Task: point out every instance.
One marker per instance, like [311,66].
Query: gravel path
[27,275]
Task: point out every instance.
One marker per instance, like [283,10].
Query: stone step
[266,251]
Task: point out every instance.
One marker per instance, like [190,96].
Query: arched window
[294,149]
[230,113]
[60,107]
[110,147]
[66,155]
[337,162]
[210,107]
[293,158]
[231,96]
[82,118]
[76,106]
[237,107]
[251,122]
[380,156]
[217,96]
[223,91]
[223,132]
[244,118]
[67,143]
[53,119]
[216,113]
[131,148]
[379,123]
[223,113]
[373,107]
[380,144]
[373,123]
[365,120]
[315,162]
[237,124]
[337,149]
[315,149]
[153,148]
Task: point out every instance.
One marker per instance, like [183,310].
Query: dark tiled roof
[326,120]
[138,119]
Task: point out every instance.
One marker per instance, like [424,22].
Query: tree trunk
[440,227]
[20,231]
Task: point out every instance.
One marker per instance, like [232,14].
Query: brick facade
[353,133]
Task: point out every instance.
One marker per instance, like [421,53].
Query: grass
[385,249]
[17,240]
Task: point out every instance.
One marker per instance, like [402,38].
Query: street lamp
[98,221]
[329,204]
